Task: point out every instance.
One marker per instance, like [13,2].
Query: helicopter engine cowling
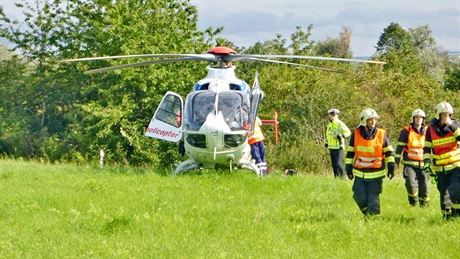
[222,145]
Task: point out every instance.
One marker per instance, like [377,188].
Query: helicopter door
[256,97]
[166,123]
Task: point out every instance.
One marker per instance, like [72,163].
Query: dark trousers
[448,184]
[417,183]
[337,161]
[366,195]
[258,152]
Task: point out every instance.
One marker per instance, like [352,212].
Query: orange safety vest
[445,148]
[369,152]
[415,143]
[257,135]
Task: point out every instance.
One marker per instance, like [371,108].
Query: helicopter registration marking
[163,133]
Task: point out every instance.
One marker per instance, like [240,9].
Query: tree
[397,48]
[336,47]
[301,43]
[395,39]
[433,60]
[452,81]
[79,114]
[269,47]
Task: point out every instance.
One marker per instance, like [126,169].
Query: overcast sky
[249,21]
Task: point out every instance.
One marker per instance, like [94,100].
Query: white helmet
[333,111]
[444,107]
[418,112]
[366,114]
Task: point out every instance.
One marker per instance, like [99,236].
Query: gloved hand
[391,170]
[427,167]
[349,170]
[326,145]
[339,137]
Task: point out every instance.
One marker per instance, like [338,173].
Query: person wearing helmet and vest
[410,143]
[256,141]
[336,133]
[370,156]
[441,155]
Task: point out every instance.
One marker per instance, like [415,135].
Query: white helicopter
[218,115]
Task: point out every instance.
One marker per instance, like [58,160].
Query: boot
[424,202]
[447,214]
[413,200]
[455,213]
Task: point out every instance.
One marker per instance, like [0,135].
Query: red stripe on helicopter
[162,133]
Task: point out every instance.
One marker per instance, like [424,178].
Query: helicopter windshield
[234,108]
[199,105]
[233,105]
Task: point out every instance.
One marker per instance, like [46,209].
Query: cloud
[248,22]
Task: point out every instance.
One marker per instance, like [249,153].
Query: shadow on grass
[316,218]
[399,219]
[7,175]
[116,224]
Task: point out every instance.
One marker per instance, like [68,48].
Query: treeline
[52,111]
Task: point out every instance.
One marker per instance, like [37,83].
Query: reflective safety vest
[445,150]
[414,147]
[369,155]
[257,135]
[334,128]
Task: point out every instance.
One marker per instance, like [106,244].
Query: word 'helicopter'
[219,114]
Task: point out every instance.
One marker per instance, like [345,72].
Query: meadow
[70,211]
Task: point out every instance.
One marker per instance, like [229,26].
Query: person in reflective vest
[336,133]
[441,155]
[256,141]
[370,156]
[410,143]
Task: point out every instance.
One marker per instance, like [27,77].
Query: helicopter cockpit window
[201,87]
[235,108]
[235,87]
[199,105]
[170,111]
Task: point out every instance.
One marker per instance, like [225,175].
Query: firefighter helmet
[333,111]
[366,114]
[418,112]
[444,107]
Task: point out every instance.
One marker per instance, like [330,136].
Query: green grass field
[62,211]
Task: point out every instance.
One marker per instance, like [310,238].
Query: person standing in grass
[369,155]
[441,155]
[256,141]
[410,144]
[336,133]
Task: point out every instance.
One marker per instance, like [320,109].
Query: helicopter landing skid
[186,166]
[251,166]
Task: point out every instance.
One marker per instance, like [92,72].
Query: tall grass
[59,211]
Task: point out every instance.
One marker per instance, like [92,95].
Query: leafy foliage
[53,111]
[336,47]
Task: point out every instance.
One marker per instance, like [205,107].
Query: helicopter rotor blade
[139,64]
[295,64]
[207,57]
[241,57]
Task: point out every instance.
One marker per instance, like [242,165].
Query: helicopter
[218,115]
